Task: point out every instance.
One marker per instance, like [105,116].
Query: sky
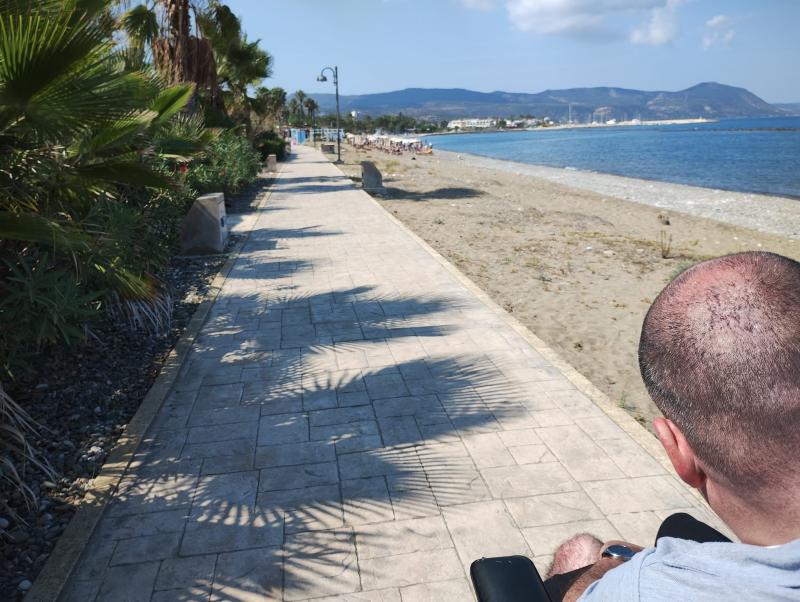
[529,45]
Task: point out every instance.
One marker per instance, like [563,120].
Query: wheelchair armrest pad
[507,579]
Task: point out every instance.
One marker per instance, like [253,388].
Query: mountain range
[710,100]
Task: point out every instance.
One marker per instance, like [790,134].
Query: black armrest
[507,579]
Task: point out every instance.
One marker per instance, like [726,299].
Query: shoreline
[772,214]
[575,264]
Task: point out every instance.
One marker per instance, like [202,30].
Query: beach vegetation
[104,120]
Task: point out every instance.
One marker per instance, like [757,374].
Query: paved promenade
[354,423]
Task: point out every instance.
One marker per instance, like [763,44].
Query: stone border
[622,419]
[61,563]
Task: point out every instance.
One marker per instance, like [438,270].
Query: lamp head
[322,78]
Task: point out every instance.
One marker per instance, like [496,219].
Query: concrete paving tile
[346,399]
[187,594]
[379,462]
[637,527]
[407,406]
[307,509]
[601,428]
[384,386]
[383,595]
[139,525]
[484,529]
[224,416]
[319,400]
[290,454]
[239,448]
[83,591]
[219,396]
[634,495]
[186,573]
[530,479]
[225,464]
[283,428]
[410,569]
[488,450]
[402,537]
[129,583]
[357,443]
[320,563]
[631,458]
[153,494]
[348,430]
[340,415]
[583,458]
[455,590]
[399,430]
[531,454]
[228,528]
[223,432]
[297,477]
[575,403]
[93,564]
[148,547]
[249,575]
[552,509]
[516,438]
[366,501]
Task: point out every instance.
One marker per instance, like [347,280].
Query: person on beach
[720,355]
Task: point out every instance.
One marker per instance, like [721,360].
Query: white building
[472,124]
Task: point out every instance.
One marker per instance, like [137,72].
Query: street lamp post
[322,78]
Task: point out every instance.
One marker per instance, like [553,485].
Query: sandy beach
[577,257]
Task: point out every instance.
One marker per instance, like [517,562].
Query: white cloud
[718,21]
[718,31]
[579,17]
[662,26]
[478,4]
[589,18]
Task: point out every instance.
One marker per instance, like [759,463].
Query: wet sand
[576,264]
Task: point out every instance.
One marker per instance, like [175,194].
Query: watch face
[618,551]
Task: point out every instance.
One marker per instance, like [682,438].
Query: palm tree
[300,96]
[312,107]
[241,64]
[84,145]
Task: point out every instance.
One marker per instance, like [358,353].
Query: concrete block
[205,227]
[371,178]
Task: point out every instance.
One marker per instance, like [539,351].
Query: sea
[745,155]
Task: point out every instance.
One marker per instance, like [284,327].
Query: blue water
[747,155]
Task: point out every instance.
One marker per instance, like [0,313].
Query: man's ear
[680,454]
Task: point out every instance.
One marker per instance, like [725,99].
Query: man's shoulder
[678,568]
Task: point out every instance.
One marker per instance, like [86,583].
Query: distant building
[472,124]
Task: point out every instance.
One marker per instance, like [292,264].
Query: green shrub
[270,143]
[229,165]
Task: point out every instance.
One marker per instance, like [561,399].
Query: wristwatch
[620,552]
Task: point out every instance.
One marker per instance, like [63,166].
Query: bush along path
[82,398]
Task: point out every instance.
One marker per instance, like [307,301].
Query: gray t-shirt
[677,569]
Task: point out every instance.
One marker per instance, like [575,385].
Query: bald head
[720,355]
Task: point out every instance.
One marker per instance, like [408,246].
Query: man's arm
[599,568]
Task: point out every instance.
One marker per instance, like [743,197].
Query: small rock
[608,253]
[98,410]
[25,585]
[588,248]
[4,523]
